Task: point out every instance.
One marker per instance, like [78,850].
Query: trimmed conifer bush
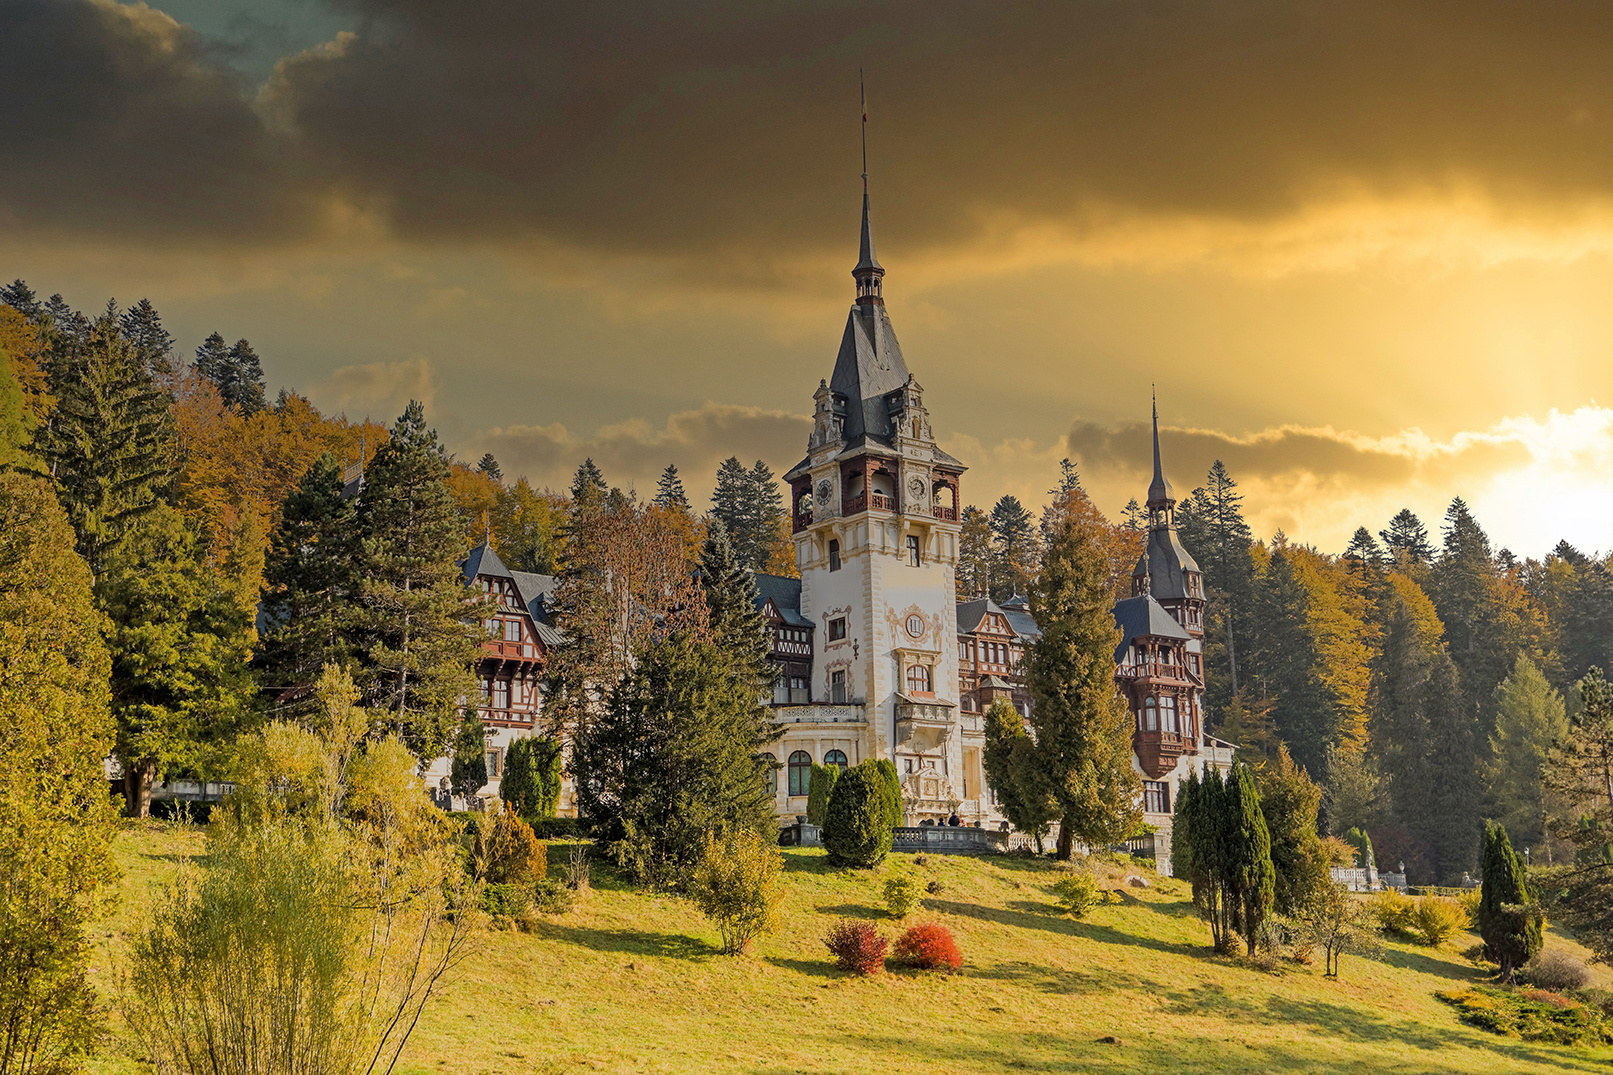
[893,782]
[928,946]
[1507,921]
[857,946]
[856,826]
[819,787]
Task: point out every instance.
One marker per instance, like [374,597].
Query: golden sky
[1363,250]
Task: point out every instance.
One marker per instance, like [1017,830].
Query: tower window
[913,550]
[837,629]
[918,678]
[834,555]
[837,687]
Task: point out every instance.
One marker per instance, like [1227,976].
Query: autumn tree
[1082,728]
[417,621]
[56,819]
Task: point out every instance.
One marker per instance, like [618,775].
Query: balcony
[946,515]
[789,648]
[924,723]
[821,713]
[1158,751]
[881,502]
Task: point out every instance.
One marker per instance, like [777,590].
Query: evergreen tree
[767,511]
[1530,720]
[672,756]
[20,297]
[489,466]
[1364,549]
[310,582]
[856,825]
[1133,517]
[1407,539]
[1205,817]
[1580,771]
[820,785]
[106,443]
[1246,843]
[179,646]
[1285,660]
[1354,795]
[417,618]
[56,818]
[142,327]
[897,812]
[669,489]
[467,772]
[732,607]
[974,555]
[1014,551]
[1508,921]
[1082,728]
[1012,773]
[588,486]
[235,371]
[1576,593]
[1214,531]
[1185,815]
[750,506]
[213,361]
[1289,803]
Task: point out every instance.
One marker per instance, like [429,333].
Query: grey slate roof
[785,593]
[970,613]
[1166,563]
[1143,616]
[536,591]
[483,561]
[868,367]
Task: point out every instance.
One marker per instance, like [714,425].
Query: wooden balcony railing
[883,502]
[854,504]
[949,515]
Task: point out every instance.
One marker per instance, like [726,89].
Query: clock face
[915,488]
[824,489]
[915,625]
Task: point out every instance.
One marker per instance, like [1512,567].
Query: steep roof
[1144,617]
[868,367]
[785,593]
[1166,562]
[536,591]
[970,613]
[483,561]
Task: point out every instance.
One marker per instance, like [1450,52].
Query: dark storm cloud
[730,128]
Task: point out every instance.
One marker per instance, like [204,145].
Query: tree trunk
[137,781]
[1066,840]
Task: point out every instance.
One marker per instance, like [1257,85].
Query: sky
[1362,251]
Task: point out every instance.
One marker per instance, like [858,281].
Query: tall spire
[868,271]
[1160,494]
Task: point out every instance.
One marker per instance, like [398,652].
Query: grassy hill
[631,982]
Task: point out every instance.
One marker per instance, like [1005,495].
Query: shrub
[531,780]
[507,851]
[506,900]
[735,884]
[1470,901]
[857,946]
[893,783]
[552,897]
[1557,970]
[902,895]
[1077,894]
[928,946]
[558,828]
[935,887]
[820,785]
[1393,910]
[1437,918]
[1533,1015]
[856,829]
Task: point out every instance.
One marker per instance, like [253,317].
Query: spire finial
[1159,491]
[868,270]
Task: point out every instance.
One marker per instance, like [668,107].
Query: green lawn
[631,982]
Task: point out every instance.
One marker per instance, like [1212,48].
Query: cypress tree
[310,582]
[669,489]
[1289,803]
[670,758]
[417,619]
[893,787]
[819,787]
[531,780]
[1507,920]
[1246,842]
[856,824]
[1082,728]
[1204,820]
[106,443]
[1183,818]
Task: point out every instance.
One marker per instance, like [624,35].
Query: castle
[877,658]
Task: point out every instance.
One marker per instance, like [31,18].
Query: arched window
[770,773]
[800,772]
[918,678]
[1150,716]
[836,757]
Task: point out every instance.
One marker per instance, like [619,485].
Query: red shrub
[857,946]
[928,945]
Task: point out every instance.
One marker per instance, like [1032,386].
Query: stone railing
[820,713]
[945,840]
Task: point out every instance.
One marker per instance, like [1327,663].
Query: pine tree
[213,361]
[1010,770]
[180,644]
[1580,771]
[20,297]
[142,327]
[1284,658]
[1215,533]
[1289,803]
[672,757]
[310,582]
[1508,921]
[732,608]
[750,506]
[1082,728]
[1530,720]
[1407,539]
[1250,878]
[974,555]
[1133,517]
[417,620]
[489,466]
[107,443]
[1014,551]
[669,489]
[1364,548]
[767,512]
[235,371]
[588,486]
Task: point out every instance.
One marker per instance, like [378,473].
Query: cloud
[380,390]
[633,454]
[722,138]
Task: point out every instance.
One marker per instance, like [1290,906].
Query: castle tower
[874,512]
